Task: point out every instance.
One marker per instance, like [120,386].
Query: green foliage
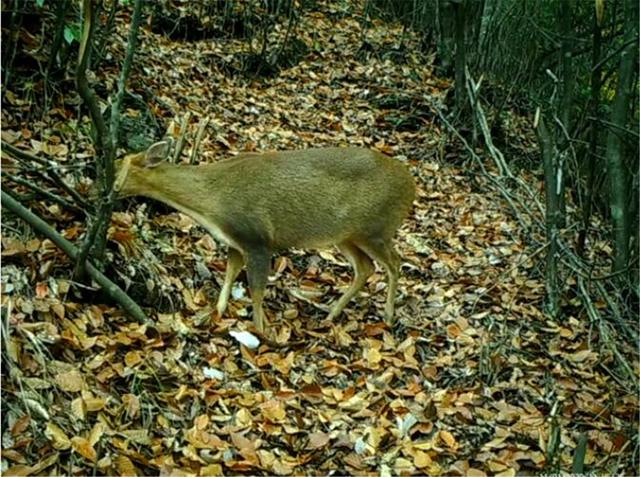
[72,33]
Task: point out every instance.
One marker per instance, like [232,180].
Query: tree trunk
[618,186]
[483,35]
[444,30]
[566,97]
[461,58]
[596,86]
[57,37]
[553,214]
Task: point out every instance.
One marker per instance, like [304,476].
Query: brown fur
[260,203]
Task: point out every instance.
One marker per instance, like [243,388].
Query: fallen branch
[39,225]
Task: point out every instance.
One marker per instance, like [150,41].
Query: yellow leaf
[421,459]
[201,422]
[581,355]
[213,470]
[19,470]
[84,448]
[125,466]
[244,418]
[373,357]
[132,404]
[132,358]
[139,436]
[402,464]
[273,410]
[448,439]
[96,433]
[70,381]
[43,464]
[78,408]
[58,438]
[475,473]
[281,469]
[95,404]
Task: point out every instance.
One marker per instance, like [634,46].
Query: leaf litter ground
[474,380]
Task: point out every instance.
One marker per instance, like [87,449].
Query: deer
[260,203]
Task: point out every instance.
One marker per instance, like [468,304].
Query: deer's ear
[156,154]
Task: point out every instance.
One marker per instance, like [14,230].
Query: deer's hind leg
[382,251]
[363,268]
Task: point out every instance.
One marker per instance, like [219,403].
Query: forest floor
[474,379]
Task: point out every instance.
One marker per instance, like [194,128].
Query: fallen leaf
[318,439]
[84,448]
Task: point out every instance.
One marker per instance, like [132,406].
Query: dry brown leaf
[273,410]
[318,440]
[19,470]
[20,425]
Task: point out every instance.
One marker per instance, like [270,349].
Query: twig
[45,193]
[21,155]
[615,126]
[491,179]
[615,52]
[39,225]
[507,273]
[604,334]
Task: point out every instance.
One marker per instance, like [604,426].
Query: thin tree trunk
[550,163]
[618,185]
[566,97]
[444,27]
[106,137]
[10,47]
[58,36]
[596,85]
[461,58]
[483,35]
